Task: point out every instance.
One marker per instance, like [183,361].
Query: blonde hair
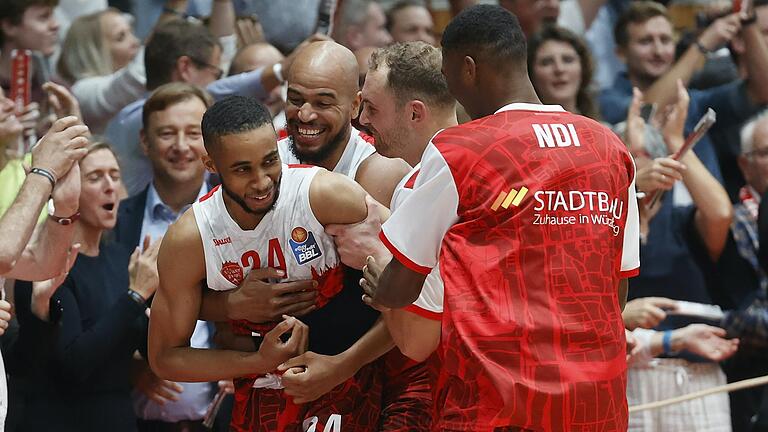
[84,52]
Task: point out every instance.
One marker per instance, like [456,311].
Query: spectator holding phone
[680,244]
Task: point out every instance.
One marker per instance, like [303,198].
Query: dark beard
[324,152]
[241,202]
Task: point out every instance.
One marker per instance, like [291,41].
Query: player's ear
[356,104]
[469,70]
[418,111]
[208,163]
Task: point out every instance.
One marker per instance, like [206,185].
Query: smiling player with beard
[266,214]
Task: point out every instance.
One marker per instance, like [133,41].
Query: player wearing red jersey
[531,213]
[245,216]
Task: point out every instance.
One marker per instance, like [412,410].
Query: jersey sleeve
[415,230]
[430,302]
[630,251]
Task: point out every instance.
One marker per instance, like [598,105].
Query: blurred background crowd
[141,73]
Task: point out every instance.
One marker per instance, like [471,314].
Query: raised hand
[661,173]
[63,145]
[142,269]
[62,101]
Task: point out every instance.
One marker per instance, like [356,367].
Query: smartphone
[325,17]
[742,7]
[21,77]
[705,122]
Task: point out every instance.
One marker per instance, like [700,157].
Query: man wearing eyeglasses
[182,51]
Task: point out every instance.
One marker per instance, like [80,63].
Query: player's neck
[520,92]
[413,153]
[245,220]
[89,238]
[333,159]
[176,195]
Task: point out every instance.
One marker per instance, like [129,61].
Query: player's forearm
[213,306]
[185,364]
[398,286]
[20,219]
[372,345]
[46,257]
[416,337]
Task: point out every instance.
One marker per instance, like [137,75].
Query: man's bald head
[255,56]
[323,98]
[327,63]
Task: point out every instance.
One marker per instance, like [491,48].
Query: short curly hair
[489,31]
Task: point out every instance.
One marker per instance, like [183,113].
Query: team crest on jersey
[232,272]
[304,246]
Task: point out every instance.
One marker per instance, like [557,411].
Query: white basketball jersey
[356,151]
[289,237]
[430,301]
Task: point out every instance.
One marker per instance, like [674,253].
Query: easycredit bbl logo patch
[304,246]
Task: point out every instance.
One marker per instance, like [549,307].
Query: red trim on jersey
[282,133]
[367,138]
[209,194]
[411,181]
[402,258]
[420,311]
[300,166]
[630,273]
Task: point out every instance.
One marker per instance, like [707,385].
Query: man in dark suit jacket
[172,140]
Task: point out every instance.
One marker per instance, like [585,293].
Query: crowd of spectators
[118,91]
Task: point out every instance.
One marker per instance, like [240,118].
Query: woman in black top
[86,383]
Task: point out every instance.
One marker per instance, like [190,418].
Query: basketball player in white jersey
[265,214]
[323,98]
[405,103]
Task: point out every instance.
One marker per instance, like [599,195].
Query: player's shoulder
[327,182]
[376,164]
[183,233]
[335,198]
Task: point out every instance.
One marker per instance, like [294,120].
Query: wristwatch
[67,220]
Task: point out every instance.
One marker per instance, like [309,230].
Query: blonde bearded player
[266,215]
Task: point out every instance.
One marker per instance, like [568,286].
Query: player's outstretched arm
[416,336]
[181,267]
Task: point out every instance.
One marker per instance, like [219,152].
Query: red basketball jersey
[532,216]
